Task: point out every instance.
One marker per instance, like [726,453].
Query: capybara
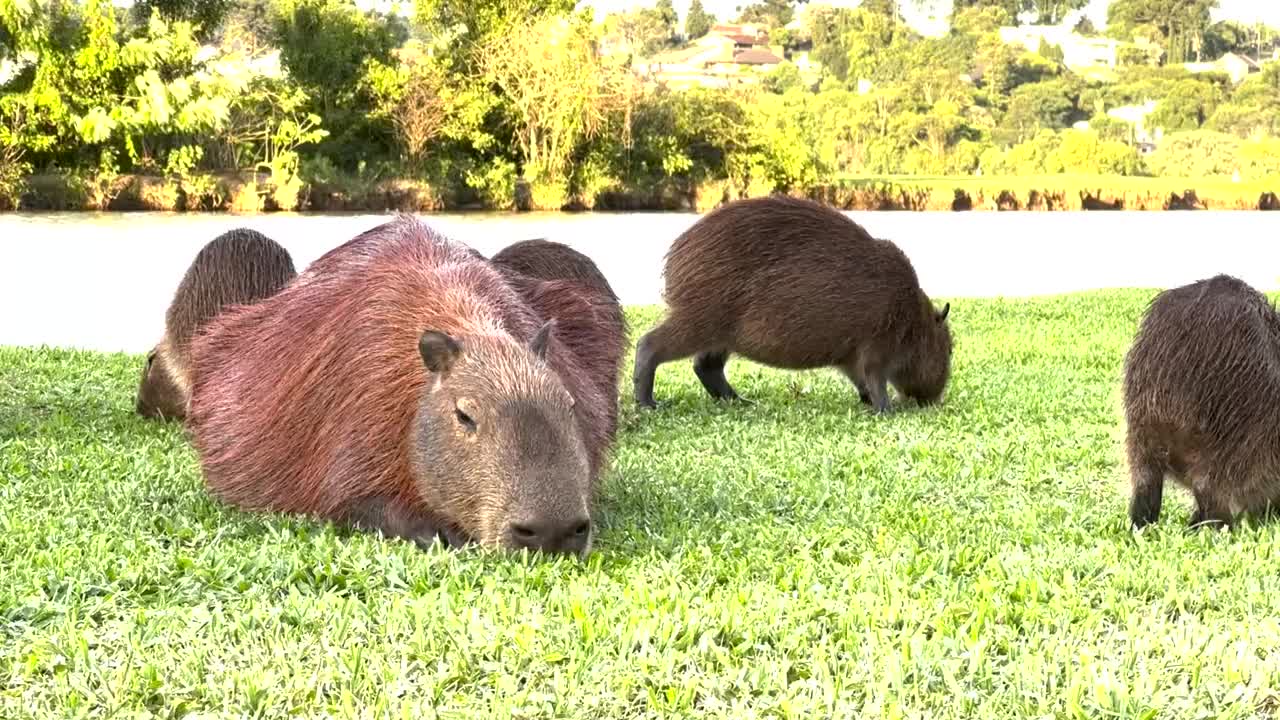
[1202,401]
[564,285]
[240,266]
[401,384]
[794,284]
[547,260]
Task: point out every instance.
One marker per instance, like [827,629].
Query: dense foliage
[472,99]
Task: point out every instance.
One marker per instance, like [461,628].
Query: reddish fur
[1202,401]
[304,402]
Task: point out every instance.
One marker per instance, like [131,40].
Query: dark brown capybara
[548,260]
[566,286]
[240,266]
[794,284]
[400,384]
[1202,402]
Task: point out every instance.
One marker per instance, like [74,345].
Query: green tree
[773,13]
[328,47]
[698,22]
[205,15]
[1179,26]
[1046,12]
[1254,107]
[1034,108]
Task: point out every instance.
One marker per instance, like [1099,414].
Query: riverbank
[249,193]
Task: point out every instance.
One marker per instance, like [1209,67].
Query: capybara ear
[542,339]
[439,351]
[946,310]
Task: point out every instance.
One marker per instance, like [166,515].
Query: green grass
[796,558]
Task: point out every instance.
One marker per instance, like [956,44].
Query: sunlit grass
[793,558]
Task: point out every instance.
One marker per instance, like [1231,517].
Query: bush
[1195,154]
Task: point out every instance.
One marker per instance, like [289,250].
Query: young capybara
[400,384]
[1202,401]
[794,284]
[564,285]
[240,266]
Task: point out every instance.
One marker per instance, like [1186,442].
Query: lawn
[794,558]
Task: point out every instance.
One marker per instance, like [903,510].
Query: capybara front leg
[878,390]
[850,371]
[1210,511]
[709,367]
[660,345]
[1147,493]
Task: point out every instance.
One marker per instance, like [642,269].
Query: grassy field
[796,558]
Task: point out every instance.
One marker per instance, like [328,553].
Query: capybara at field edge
[794,284]
[400,384]
[564,285]
[240,266]
[1202,402]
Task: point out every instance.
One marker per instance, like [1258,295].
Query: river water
[102,280]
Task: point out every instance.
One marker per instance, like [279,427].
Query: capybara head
[927,368]
[159,394]
[496,448]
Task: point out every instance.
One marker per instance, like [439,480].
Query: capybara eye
[465,420]
[582,529]
[151,358]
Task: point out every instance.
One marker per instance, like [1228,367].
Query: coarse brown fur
[1202,401]
[794,284]
[564,285]
[241,266]
[401,384]
[547,260]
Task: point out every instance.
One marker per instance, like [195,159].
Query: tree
[205,15]
[1178,26]
[773,13]
[1046,12]
[666,14]
[698,22]
[559,90]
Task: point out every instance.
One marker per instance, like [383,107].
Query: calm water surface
[102,281]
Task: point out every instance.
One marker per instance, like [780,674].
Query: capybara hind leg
[709,367]
[1210,511]
[1147,493]
[377,514]
[658,346]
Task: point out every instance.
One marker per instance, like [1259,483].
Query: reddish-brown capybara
[240,266]
[564,285]
[794,284]
[401,384]
[1202,401]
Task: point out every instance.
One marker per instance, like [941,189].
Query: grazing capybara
[240,266]
[564,285]
[400,384]
[547,260]
[1202,401]
[794,284]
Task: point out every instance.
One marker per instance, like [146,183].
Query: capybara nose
[552,535]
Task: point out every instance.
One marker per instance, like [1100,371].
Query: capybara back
[794,284]
[1201,392]
[241,266]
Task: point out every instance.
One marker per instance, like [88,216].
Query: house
[728,55]
[1236,66]
[1136,115]
[1078,52]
